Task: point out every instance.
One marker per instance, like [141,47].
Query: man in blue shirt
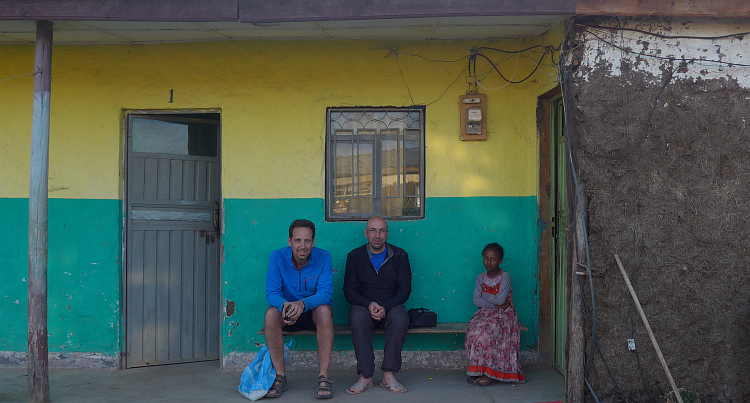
[299,288]
[377,283]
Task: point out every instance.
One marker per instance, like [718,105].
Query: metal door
[172,265]
[559,209]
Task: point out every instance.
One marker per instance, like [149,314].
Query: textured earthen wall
[668,186]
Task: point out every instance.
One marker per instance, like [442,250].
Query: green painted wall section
[84,270]
[83,275]
[444,250]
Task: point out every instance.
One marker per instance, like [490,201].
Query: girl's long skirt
[493,341]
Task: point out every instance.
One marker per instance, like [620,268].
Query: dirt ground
[674,204]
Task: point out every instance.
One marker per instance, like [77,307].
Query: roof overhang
[156,21]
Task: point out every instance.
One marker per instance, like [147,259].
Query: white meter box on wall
[473,117]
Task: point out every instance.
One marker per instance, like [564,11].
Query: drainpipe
[37,314]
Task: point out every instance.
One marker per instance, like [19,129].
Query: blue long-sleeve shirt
[313,285]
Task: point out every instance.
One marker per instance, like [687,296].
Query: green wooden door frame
[558,210]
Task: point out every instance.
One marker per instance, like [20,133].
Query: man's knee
[398,317]
[359,316]
[273,317]
[323,315]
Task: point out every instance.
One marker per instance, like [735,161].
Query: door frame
[122,354]
[545,132]
[559,198]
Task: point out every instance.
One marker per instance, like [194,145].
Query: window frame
[377,163]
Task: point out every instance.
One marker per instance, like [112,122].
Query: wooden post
[576,345]
[37,304]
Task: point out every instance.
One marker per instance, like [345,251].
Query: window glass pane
[352,206]
[363,172]
[366,135]
[343,206]
[411,168]
[390,168]
[364,205]
[342,181]
[376,162]
[181,138]
[391,179]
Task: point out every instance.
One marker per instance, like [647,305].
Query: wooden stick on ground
[650,333]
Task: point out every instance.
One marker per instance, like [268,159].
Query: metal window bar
[406,126]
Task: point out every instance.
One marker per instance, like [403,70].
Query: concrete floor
[203,382]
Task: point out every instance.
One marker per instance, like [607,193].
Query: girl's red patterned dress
[493,341]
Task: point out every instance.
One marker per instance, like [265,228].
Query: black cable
[592,314]
[740,34]
[591,389]
[403,80]
[546,49]
[538,64]
[446,90]
[433,60]
[568,121]
[598,348]
[670,59]
[566,109]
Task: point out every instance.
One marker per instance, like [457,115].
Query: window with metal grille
[375,163]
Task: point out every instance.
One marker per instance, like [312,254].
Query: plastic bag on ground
[258,377]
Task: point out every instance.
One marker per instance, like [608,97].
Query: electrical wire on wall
[20,75]
[536,54]
[684,63]
[502,56]
[395,53]
[590,311]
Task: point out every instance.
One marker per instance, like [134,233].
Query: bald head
[376,233]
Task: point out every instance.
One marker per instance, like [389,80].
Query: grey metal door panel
[172,274]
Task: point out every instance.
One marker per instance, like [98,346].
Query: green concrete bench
[441,328]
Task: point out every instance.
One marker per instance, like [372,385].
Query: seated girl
[493,336]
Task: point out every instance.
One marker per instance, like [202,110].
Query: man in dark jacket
[377,283]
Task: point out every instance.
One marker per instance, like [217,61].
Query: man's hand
[292,311]
[377,312]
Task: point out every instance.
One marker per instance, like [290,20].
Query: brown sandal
[278,387]
[326,386]
[477,380]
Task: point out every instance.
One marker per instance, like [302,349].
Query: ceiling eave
[255,11]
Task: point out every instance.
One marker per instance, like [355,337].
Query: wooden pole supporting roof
[37,308]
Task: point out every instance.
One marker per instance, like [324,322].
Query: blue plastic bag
[258,377]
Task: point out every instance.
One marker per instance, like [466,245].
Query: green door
[559,159]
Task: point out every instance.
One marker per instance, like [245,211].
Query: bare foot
[390,383]
[360,386]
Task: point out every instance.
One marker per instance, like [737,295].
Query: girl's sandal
[472,379]
[324,385]
[481,381]
[278,387]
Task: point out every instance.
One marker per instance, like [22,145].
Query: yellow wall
[273,97]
